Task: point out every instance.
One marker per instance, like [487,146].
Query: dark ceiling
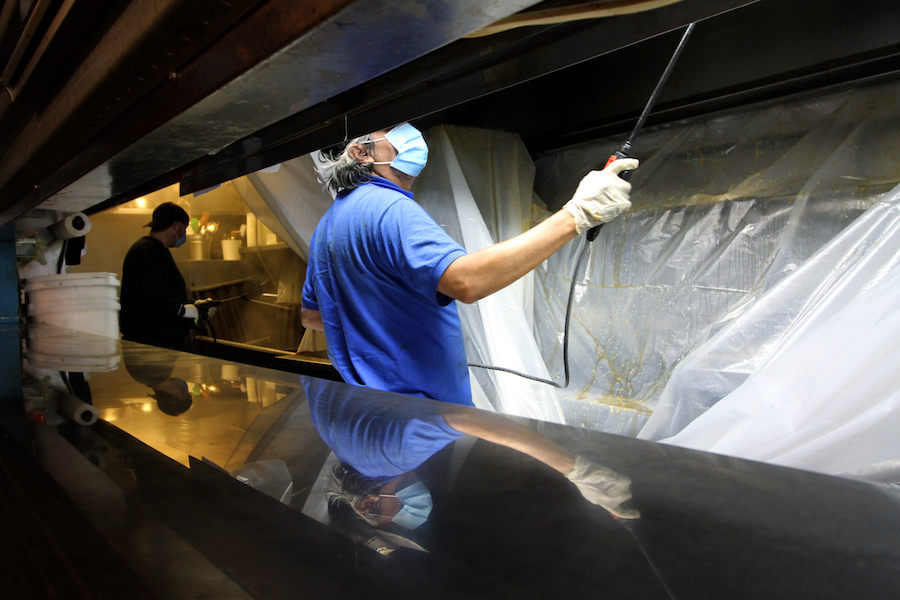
[123,101]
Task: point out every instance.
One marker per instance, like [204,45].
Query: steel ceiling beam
[245,81]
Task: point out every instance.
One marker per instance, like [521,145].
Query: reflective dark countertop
[186,438]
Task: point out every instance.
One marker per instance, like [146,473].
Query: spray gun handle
[203,307]
[619,155]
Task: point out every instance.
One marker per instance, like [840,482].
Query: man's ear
[367,504]
[359,153]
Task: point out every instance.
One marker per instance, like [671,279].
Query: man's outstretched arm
[600,197]
[311,319]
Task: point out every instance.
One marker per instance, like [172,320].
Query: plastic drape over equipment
[478,187]
[732,264]
[288,200]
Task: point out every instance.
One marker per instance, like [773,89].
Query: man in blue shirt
[383,275]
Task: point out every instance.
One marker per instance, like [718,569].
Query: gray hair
[347,486]
[343,172]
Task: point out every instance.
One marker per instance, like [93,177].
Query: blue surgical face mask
[417,505]
[412,151]
[180,241]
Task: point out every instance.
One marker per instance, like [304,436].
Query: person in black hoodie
[154,304]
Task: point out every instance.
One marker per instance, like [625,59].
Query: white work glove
[601,196]
[602,486]
[190,312]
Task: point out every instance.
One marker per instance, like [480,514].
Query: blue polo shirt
[375,261]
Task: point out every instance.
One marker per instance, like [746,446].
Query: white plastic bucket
[85,302]
[231,249]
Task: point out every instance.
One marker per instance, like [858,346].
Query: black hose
[584,252]
[62,257]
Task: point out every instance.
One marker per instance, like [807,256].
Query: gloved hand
[207,308]
[602,486]
[601,196]
[200,311]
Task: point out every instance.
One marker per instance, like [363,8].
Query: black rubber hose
[584,252]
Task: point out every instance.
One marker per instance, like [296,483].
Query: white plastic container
[85,302]
[55,349]
[231,249]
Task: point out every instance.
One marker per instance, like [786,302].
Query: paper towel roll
[74,409]
[251,230]
[75,225]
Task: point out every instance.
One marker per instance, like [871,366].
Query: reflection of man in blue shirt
[380,439]
[379,443]
[382,274]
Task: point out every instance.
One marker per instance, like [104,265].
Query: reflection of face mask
[180,241]
[412,151]
[417,504]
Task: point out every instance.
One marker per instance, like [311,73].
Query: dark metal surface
[769,50]
[272,551]
[264,357]
[503,525]
[464,72]
[279,83]
[561,85]
[50,550]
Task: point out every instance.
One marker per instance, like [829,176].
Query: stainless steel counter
[503,523]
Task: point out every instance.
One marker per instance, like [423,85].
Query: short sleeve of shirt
[308,295]
[418,248]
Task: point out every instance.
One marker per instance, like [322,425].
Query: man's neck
[388,172]
[162,236]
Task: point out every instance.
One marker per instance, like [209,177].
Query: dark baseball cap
[165,214]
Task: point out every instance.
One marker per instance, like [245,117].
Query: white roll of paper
[74,409]
[75,225]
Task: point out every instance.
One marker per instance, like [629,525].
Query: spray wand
[203,307]
[591,235]
[623,151]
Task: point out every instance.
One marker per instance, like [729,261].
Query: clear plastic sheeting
[724,212]
[771,321]
[478,187]
[823,391]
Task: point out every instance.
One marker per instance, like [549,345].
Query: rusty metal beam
[149,40]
